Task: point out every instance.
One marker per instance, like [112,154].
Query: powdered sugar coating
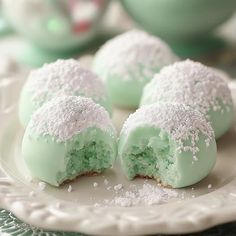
[147,195]
[190,83]
[64,117]
[181,122]
[64,77]
[133,55]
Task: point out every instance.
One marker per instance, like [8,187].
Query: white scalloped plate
[57,209]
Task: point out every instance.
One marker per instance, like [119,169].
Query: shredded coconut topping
[133,55]
[190,83]
[64,117]
[147,195]
[181,122]
[63,77]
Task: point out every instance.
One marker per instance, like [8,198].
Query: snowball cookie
[196,85]
[127,62]
[171,143]
[68,137]
[63,77]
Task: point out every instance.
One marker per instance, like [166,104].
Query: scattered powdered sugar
[146,195]
[64,117]
[70,189]
[63,77]
[180,121]
[118,187]
[32,194]
[42,186]
[190,83]
[209,186]
[106,182]
[133,55]
[95,184]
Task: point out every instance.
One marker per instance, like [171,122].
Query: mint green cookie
[63,77]
[171,143]
[68,137]
[196,85]
[127,62]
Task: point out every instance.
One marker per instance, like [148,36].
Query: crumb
[106,182]
[42,186]
[32,194]
[69,189]
[97,205]
[58,205]
[209,186]
[95,184]
[118,187]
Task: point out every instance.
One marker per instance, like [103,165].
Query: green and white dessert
[196,85]
[171,143]
[68,137]
[63,77]
[129,61]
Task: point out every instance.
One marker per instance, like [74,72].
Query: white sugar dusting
[118,187]
[42,186]
[209,186]
[180,121]
[64,117]
[189,83]
[133,55]
[146,195]
[70,189]
[63,77]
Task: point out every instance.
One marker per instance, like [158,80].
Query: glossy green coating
[149,151]
[126,93]
[180,19]
[92,150]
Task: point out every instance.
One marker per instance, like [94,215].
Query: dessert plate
[96,205]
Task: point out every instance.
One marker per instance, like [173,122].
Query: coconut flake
[63,77]
[180,121]
[133,55]
[64,117]
[189,83]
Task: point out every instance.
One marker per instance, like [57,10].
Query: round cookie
[68,137]
[196,85]
[63,77]
[171,143]
[129,61]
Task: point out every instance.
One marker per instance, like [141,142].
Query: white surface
[58,209]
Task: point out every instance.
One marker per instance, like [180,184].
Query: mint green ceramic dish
[180,19]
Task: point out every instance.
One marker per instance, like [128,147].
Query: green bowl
[180,19]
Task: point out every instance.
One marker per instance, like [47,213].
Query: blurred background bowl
[60,25]
[180,20]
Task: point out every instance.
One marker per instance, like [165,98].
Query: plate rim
[188,216]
